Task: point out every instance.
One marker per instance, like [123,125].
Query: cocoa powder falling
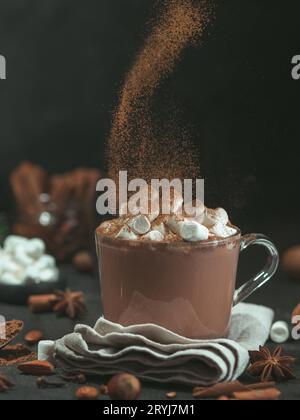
[140,142]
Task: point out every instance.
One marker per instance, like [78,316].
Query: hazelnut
[291,262]
[171,395]
[33,337]
[124,387]
[83,262]
[87,393]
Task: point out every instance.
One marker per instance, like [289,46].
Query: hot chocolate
[175,271]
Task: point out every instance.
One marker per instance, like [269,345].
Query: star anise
[5,383]
[270,365]
[69,303]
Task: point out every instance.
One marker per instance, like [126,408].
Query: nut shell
[291,262]
[124,387]
[86,393]
[36,368]
[33,337]
[83,262]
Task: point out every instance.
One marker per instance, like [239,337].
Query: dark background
[66,60]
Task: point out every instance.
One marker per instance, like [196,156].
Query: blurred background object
[59,209]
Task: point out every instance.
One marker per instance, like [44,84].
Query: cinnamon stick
[261,386]
[219,390]
[42,303]
[228,389]
[270,394]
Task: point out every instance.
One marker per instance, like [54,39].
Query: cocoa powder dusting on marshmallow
[141,141]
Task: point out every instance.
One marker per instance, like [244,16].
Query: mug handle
[265,274]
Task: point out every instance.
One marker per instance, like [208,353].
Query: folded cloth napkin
[153,353]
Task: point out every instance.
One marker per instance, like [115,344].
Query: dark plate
[19,295]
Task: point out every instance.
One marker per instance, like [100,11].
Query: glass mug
[187,288]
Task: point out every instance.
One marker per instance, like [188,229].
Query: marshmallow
[10,278]
[192,231]
[49,275]
[196,211]
[160,227]
[126,233]
[140,224]
[209,219]
[280,332]
[43,269]
[46,261]
[222,216]
[154,235]
[189,230]
[173,223]
[151,216]
[21,257]
[35,248]
[12,241]
[23,261]
[46,349]
[32,273]
[222,231]
[7,264]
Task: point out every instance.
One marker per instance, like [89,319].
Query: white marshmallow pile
[203,224]
[24,261]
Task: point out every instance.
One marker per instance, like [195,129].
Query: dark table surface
[282,294]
